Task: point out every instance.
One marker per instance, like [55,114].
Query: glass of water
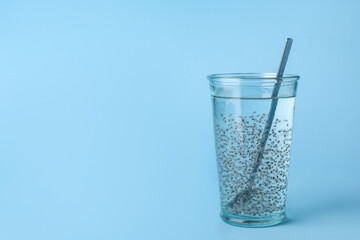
[252,179]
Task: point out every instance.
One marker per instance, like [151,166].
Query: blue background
[106,129]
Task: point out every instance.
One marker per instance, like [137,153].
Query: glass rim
[251,77]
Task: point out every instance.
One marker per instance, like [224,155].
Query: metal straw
[244,196]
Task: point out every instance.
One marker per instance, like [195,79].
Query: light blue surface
[106,129]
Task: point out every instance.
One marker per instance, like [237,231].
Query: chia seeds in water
[238,133]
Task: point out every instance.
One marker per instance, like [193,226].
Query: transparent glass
[253,152]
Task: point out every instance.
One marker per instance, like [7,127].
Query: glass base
[253,222]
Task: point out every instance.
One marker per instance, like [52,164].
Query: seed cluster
[238,140]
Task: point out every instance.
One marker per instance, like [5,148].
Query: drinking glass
[252,187]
